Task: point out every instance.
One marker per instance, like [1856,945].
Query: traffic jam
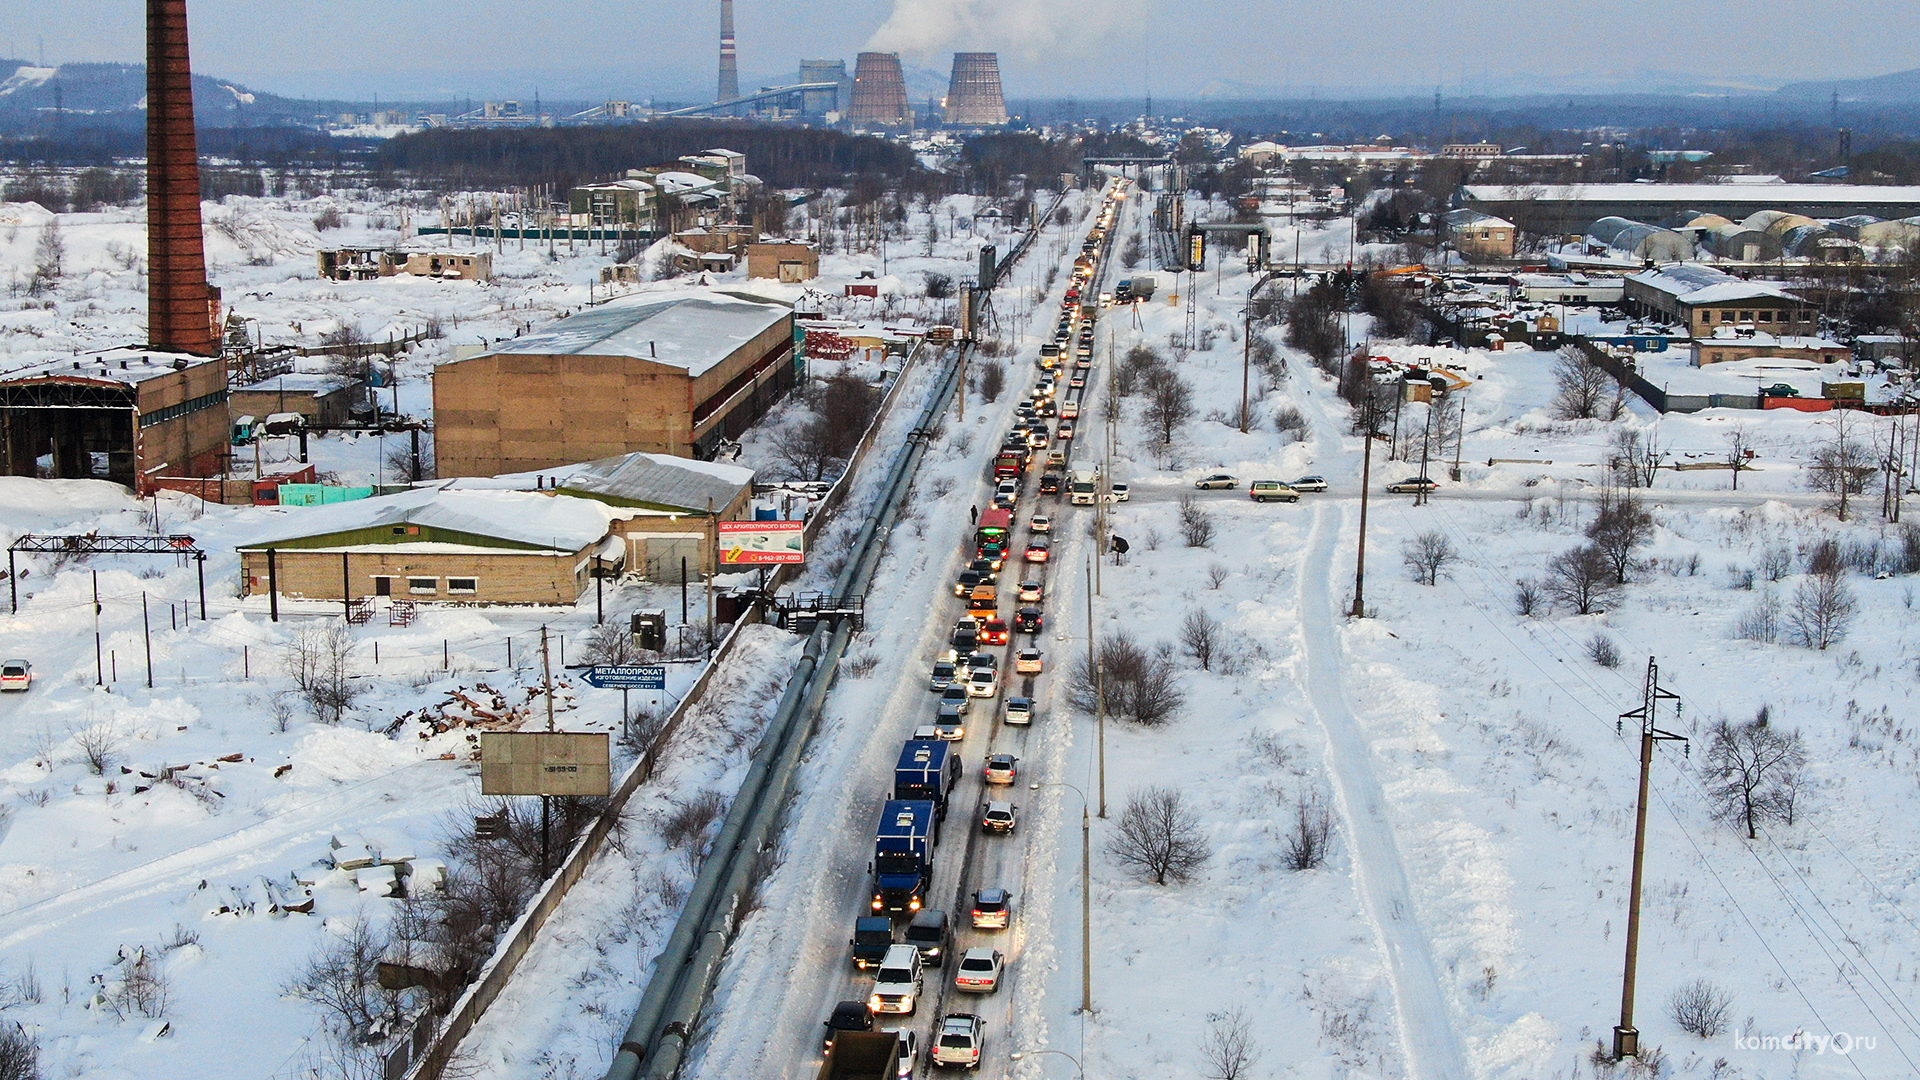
[983,688]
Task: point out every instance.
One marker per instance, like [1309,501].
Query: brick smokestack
[179,303]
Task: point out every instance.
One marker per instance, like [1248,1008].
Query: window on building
[1726,316]
[463,586]
[423,586]
[1766,316]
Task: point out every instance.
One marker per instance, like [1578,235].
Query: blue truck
[928,769]
[903,854]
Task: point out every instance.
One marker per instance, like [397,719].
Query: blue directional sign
[627,677]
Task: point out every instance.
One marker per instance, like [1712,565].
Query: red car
[993,632]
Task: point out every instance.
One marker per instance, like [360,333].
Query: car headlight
[874,1003]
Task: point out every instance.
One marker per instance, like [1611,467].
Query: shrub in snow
[1202,636]
[1761,621]
[1581,578]
[1601,650]
[1159,836]
[1310,833]
[1427,556]
[1822,611]
[1700,1008]
[1228,1049]
[1196,525]
[1526,596]
[19,1053]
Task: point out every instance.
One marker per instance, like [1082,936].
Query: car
[956,695]
[1079,380]
[1065,434]
[961,1037]
[966,581]
[1040,523]
[962,643]
[930,933]
[1118,493]
[1070,411]
[1217,480]
[1032,592]
[16,675]
[1030,661]
[1028,620]
[1045,408]
[999,816]
[1002,502]
[909,1054]
[1309,483]
[948,726]
[1056,459]
[872,937]
[1038,550]
[992,909]
[1019,710]
[1008,489]
[1271,491]
[897,985]
[983,601]
[1106,299]
[982,661]
[988,570]
[994,632]
[1001,769]
[979,971]
[847,1016]
[1037,437]
[943,673]
[983,683]
[1412,485]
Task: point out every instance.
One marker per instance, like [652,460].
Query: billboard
[761,543]
[545,763]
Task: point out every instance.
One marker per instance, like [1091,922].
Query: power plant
[180,305]
[729,59]
[879,92]
[974,97]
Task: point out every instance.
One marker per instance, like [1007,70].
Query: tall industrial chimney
[974,97]
[879,92]
[179,303]
[729,61]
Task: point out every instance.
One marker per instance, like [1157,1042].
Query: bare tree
[1196,525]
[342,979]
[1159,836]
[1637,456]
[1169,404]
[1822,610]
[49,259]
[1581,578]
[1310,835]
[1750,769]
[1620,528]
[1202,636]
[319,661]
[1217,574]
[1581,385]
[1601,650]
[1739,452]
[1698,1007]
[1140,686]
[612,643]
[993,380]
[1427,556]
[1526,596]
[1761,620]
[1843,466]
[806,449]
[1228,1048]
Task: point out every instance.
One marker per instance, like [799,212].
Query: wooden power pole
[1626,1038]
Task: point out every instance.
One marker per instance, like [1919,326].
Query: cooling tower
[179,303]
[879,91]
[974,98]
[729,60]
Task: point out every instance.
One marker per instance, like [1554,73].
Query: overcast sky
[1049,48]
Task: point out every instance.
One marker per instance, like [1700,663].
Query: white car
[1032,591]
[909,1054]
[984,682]
[979,971]
[16,675]
[960,1039]
[1008,490]
[1309,483]
[896,986]
[1118,493]
[1040,523]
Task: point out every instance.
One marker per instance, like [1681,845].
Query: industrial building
[784,260]
[974,95]
[131,416]
[879,92]
[1574,208]
[1582,289]
[1702,298]
[661,372]
[1638,241]
[1745,342]
[327,401]
[820,103]
[1480,236]
[366,264]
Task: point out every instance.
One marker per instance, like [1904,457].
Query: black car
[968,579]
[1028,620]
[872,937]
[930,933]
[1050,484]
[848,1016]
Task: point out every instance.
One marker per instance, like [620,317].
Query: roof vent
[123,365]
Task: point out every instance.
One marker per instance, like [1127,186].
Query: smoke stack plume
[879,91]
[974,97]
[729,59]
[179,303]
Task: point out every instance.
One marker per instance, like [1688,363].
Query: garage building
[130,416]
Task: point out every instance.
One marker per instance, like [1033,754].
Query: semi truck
[928,769]
[1142,286]
[903,854]
[862,1055]
[1083,487]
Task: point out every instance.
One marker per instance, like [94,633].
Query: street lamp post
[1086,896]
[1079,1070]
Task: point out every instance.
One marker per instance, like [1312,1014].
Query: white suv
[896,986]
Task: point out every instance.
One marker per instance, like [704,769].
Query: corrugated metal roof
[659,480]
[694,331]
[556,522]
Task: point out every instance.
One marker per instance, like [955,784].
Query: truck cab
[903,854]
[872,937]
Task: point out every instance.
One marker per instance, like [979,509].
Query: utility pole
[1426,451]
[546,665]
[99,670]
[1366,482]
[1626,1038]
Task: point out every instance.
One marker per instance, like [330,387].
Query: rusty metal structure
[729,61]
[180,305]
[879,92]
[974,96]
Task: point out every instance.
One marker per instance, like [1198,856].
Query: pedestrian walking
[973,514]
